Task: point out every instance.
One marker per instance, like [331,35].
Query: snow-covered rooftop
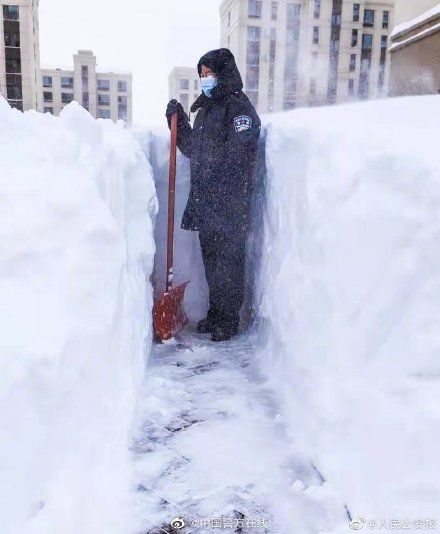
[415,37]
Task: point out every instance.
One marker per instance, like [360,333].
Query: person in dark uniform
[222,147]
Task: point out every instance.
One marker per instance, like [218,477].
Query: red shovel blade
[168,314]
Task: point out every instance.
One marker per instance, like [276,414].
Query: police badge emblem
[242,123]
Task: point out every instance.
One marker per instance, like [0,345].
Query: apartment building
[20,78]
[106,95]
[184,85]
[308,52]
[415,54]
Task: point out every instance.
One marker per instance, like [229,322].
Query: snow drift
[350,291]
[76,251]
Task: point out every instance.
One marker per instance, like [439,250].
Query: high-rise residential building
[308,52]
[106,95]
[184,85]
[20,78]
[415,54]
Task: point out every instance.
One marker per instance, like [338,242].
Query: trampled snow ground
[211,447]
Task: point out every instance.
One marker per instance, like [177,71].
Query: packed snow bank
[76,250]
[351,293]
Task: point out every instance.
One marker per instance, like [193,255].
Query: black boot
[224,332]
[207,325]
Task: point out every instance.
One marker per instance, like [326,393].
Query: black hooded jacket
[222,149]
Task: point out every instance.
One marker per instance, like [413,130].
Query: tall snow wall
[76,253]
[350,297]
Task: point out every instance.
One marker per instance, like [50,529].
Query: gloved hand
[175,107]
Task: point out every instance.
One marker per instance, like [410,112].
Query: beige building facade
[308,52]
[20,78]
[415,55]
[184,86]
[106,95]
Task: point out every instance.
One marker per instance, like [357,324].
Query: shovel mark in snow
[201,369]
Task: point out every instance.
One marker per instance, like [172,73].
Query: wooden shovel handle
[171,202]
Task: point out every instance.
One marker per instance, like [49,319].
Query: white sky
[146,37]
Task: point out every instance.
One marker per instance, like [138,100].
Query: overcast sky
[146,37]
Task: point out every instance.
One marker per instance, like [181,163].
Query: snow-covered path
[211,447]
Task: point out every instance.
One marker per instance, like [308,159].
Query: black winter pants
[224,257]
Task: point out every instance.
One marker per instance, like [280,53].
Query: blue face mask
[208,84]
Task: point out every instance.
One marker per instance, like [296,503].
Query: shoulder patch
[242,123]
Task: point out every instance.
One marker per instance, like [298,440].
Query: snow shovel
[168,314]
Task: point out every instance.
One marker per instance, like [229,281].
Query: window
[315,34]
[314,60]
[184,100]
[351,87]
[356,12]
[367,41]
[272,56]
[386,20]
[274,10]
[122,113]
[253,62]
[368,18]
[14,87]
[104,114]
[196,85]
[48,110]
[104,85]
[85,79]
[103,100]
[11,13]
[253,46]
[291,59]
[66,98]
[48,96]
[184,84]
[47,81]
[252,78]
[122,86]
[254,9]
[229,19]
[336,19]
[312,86]
[353,62]
[354,37]
[17,104]
[13,66]
[317,9]
[273,45]
[86,100]
[384,41]
[66,82]
[12,38]
[365,64]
